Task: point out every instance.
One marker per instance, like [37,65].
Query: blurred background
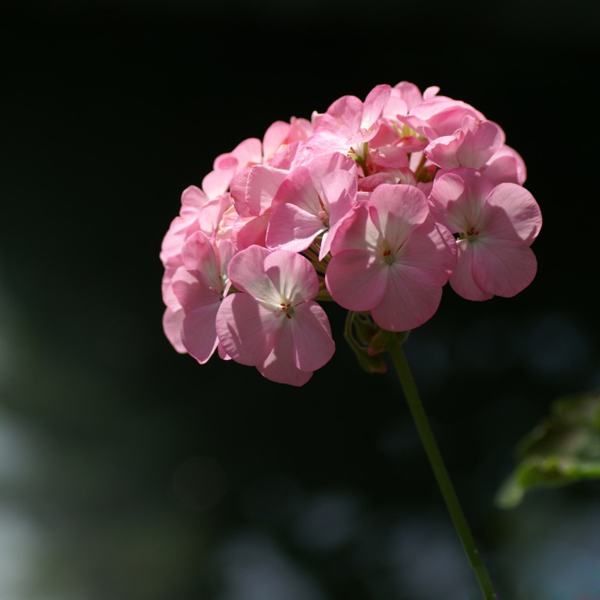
[130,472]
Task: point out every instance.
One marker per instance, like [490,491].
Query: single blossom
[198,213]
[312,201]
[470,146]
[391,258]
[226,166]
[272,323]
[439,116]
[494,226]
[280,134]
[200,285]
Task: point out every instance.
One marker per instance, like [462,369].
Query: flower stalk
[437,464]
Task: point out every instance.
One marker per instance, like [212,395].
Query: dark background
[130,472]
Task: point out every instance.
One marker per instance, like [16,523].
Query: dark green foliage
[563,448]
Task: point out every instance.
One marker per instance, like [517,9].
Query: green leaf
[562,449]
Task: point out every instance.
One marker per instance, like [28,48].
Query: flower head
[373,204]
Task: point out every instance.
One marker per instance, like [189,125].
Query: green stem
[435,458]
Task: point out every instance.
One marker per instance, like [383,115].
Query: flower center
[388,257]
[323,214]
[470,235]
[287,309]
[324,217]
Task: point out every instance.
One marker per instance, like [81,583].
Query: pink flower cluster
[375,205]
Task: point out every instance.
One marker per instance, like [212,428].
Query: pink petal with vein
[252,231]
[356,280]
[200,333]
[400,208]
[292,228]
[274,137]
[279,366]
[503,269]
[311,333]
[262,184]
[461,280]
[430,250]
[172,326]
[191,292]
[292,276]
[246,330]
[410,299]
[374,105]
[506,166]
[247,272]
[198,255]
[522,211]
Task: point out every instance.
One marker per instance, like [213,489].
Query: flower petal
[400,208]
[374,104]
[462,280]
[410,299]
[293,228]
[198,255]
[356,280]
[247,272]
[262,185]
[357,232]
[312,341]
[246,330]
[299,189]
[524,215]
[503,269]
[479,142]
[506,166]
[292,275]
[279,366]
[431,249]
[172,326]
[199,332]
[191,291]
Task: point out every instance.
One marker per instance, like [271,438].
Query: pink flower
[405,96]
[495,227]
[470,146]
[391,258]
[193,200]
[439,116]
[273,323]
[280,134]
[226,166]
[505,166]
[313,200]
[199,286]
[350,123]
[198,213]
